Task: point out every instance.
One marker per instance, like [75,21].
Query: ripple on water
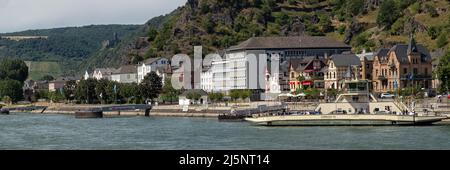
[26,131]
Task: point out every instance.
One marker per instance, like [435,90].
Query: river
[42,132]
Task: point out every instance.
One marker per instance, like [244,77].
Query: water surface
[31,131]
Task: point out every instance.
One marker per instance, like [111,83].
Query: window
[415,71]
[405,71]
[376,72]
[426,71]
[292,75]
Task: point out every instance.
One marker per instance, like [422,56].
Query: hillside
[215,24]
[66,46]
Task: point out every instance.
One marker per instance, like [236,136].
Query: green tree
[442,40]
[85,91]
[193,96]
[12,89]
[130,92]
[169,93]
[431,10]
[443,72]
[101,88]
[47,78]
[152,33]
[13,69]
[69,90]
[433,32]
[245,94]
[235,94]
[388,14]
[151,86]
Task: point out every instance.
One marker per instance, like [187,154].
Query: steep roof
[126,69]
[341,60]
[152,60]
[105,71]
[292,42]
[401,51]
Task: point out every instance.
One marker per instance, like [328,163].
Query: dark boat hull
[88,114]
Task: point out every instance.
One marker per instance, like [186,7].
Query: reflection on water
[26,131]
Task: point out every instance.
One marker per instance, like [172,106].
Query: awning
[307,83]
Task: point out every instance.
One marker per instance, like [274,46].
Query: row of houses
[318,62]
[312,61]
[133,73]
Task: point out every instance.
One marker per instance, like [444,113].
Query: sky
[20,15]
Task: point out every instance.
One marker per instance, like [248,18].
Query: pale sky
[19,15]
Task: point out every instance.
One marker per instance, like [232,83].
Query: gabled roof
[126,69]
[292,42]
[401,51]
[152,60]
[105,71]
[342,60]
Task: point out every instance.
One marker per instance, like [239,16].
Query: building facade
[103,73]
[149,65]
[125,74]
[310,69]
[402,66]
[240,70]
[338,66]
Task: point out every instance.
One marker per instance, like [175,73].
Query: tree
[12,89]
[215,97]
[13,69]
[433,32]
[69,90]
[101,88]
[47,78]
[193,96]
[152,33]
[388,14]
[169,93]
[85,91]
[246,94]
[235,94]
[443,72]
[431,10]
[130,92]
[442,40]
[151,86]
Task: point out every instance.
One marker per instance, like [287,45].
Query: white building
[103,73]
[125,74]
[237,71]
[149,65]
[207,80]
[86,75]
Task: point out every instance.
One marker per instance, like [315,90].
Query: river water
[31,131]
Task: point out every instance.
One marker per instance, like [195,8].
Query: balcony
[382,77]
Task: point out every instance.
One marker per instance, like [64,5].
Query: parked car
[387,95]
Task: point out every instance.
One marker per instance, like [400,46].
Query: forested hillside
[67,46]
[218,24]
[364,24]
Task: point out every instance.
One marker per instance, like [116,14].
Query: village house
[184,100]
[125,74]
[402,66]
[103,73]
[149,65]
[234,72]
[56,85]
[338,66]
[366,64]
[311,69]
